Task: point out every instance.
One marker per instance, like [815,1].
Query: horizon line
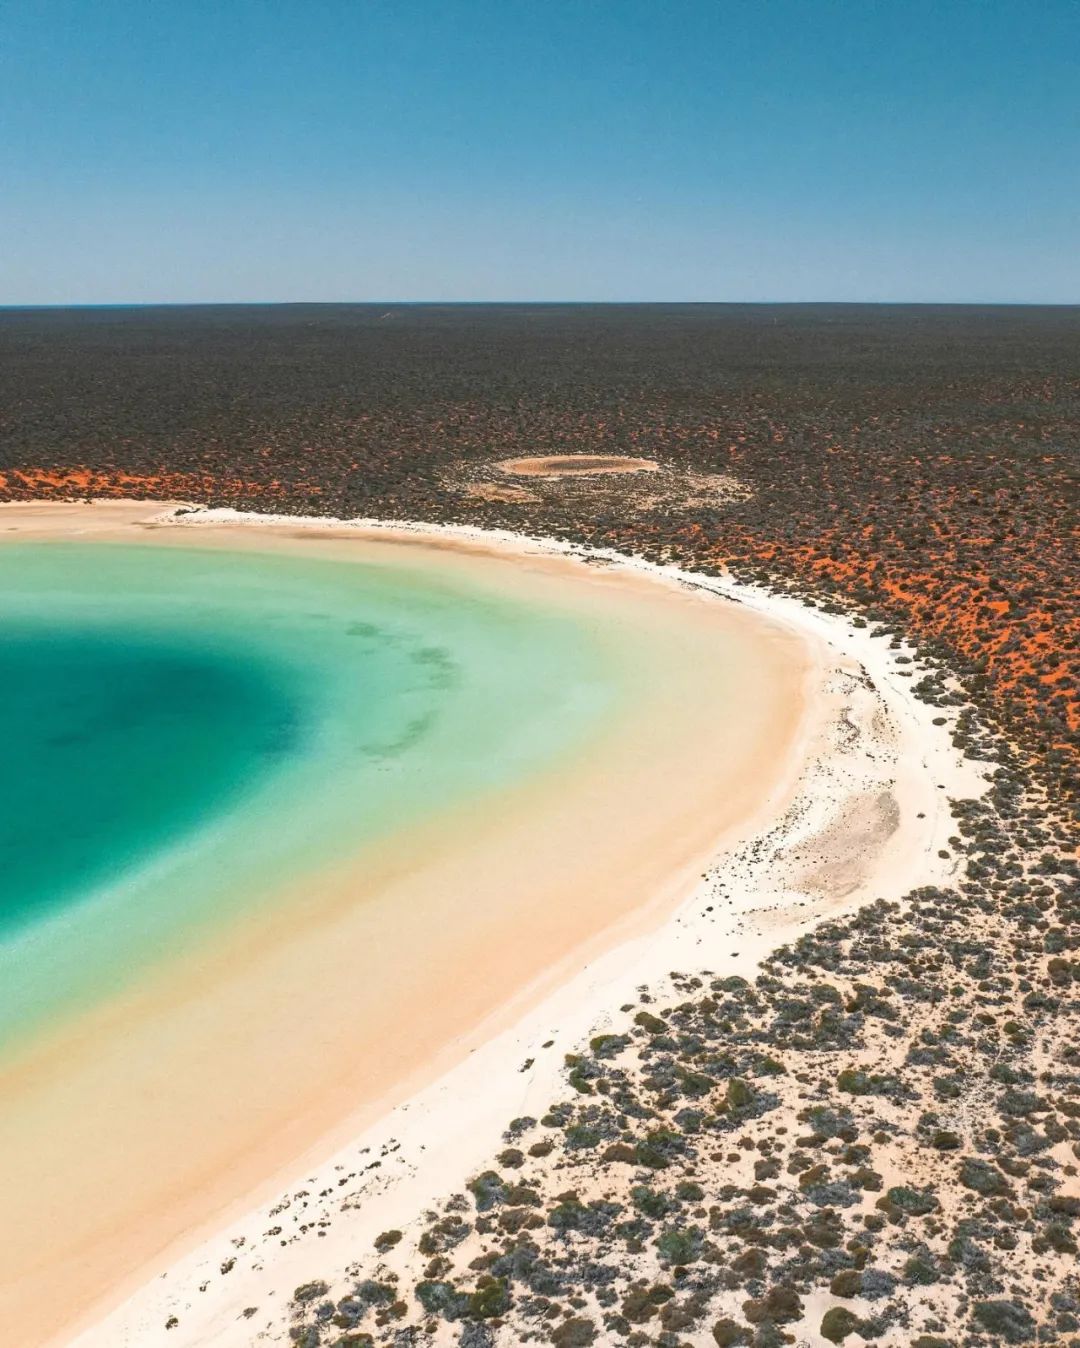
[538,303]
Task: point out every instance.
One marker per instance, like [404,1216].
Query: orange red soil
[27,484]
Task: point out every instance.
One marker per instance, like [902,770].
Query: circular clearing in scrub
[575,465]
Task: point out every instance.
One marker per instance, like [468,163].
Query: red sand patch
[24,484]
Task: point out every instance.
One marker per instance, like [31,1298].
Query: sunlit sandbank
[606,731]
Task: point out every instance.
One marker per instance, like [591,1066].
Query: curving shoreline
[869,739]
[666,837]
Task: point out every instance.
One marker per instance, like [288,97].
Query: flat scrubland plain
[878,1137]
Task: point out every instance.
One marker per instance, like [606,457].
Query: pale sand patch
[576,465]
[865,733]
[638,485]
[196,1096]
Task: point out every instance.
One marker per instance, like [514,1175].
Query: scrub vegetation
[877,1139]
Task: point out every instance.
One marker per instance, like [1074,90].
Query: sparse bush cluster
[888,1115]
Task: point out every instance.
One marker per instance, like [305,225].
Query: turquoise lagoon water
[185,730]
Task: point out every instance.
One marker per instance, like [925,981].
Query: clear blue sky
[539,149]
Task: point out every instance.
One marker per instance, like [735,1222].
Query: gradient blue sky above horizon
[229,150]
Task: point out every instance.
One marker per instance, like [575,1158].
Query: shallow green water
[185,730]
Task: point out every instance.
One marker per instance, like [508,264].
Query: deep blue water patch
[116,745]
